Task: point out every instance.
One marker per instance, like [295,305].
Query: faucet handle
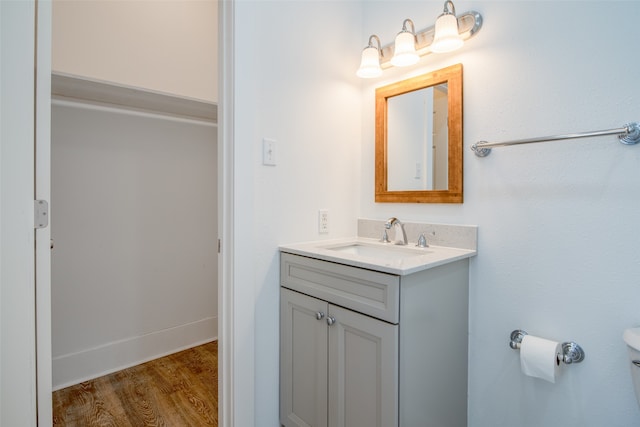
[422,241]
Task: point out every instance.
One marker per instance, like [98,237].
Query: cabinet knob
[331,320]
[319,315]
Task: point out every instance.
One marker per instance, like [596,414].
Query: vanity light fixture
[446,37]
[404,51]
[370,63]
[448,33]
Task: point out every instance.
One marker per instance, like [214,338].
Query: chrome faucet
[400,236]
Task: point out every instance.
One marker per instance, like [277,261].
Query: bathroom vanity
[373,335]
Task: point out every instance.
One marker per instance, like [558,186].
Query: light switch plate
[269,152]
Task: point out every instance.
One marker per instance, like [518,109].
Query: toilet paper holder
[571,352]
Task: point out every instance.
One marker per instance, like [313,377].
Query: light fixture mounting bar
[469,23]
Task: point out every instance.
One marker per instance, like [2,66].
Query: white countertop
[419,259]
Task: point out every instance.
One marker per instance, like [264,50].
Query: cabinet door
[363,371]
[303,360]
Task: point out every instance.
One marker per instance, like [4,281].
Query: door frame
[226,387]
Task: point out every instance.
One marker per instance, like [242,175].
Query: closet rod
[131,111]
[629,135]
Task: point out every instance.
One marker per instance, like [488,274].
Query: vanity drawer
[369,292]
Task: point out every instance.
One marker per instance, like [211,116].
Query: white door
[303,360]
[18,53]
[363,370]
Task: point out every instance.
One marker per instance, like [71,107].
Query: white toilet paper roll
[540,358]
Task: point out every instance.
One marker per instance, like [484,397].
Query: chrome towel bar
[571,352]
[629,135]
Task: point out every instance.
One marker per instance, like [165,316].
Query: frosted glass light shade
[446,37]
[370,64]
[404,52]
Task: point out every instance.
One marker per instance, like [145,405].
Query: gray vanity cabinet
[363,348]
[338,367]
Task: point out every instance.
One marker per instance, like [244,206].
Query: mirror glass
[417,129]
[419,139]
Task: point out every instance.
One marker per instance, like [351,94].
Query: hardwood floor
[174,391]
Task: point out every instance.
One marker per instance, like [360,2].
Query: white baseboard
[74,368]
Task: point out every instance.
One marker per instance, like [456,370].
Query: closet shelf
[71,87]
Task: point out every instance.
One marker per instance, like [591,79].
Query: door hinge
[41,214]
[219,246]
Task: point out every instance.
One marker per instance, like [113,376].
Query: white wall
[163,45]
[294,82]
[134,220]
[558,222]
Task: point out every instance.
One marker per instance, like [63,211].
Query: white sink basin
[387,251]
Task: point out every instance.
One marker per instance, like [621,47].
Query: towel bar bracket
[633,134]
[479,151]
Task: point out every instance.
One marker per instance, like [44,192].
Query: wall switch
[323,221]
[268,152]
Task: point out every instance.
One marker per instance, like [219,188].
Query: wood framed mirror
[418,131]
